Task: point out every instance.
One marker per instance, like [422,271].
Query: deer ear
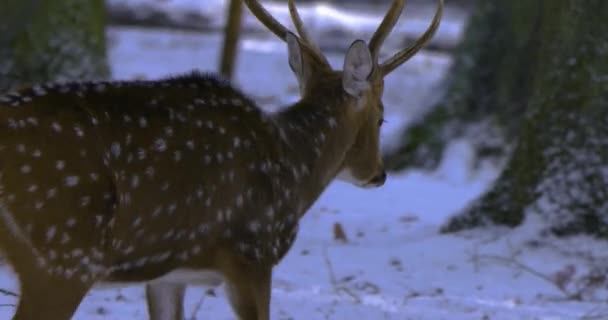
[358,66]
[296,61]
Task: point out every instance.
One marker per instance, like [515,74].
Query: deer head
[360,83]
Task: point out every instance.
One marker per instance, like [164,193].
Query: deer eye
[381,122]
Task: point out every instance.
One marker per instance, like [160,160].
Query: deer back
[128,175]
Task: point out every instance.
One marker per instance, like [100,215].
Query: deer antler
[299,25]
[404,55]
[266,19]
[385,27]
[281,31]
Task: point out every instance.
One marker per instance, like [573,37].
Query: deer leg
[45,291]
[49,297]
[165,300]
[249,292]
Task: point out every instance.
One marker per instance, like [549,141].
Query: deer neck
[314,140]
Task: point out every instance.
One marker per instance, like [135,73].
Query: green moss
[422,144]
[51,40]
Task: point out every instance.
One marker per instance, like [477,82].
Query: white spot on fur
[72,181]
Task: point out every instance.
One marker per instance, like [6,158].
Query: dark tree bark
[557,107]
[45,40]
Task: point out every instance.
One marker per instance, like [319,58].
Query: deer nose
[379,179]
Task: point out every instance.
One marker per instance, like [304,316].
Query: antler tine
[385,27]
[277,28]
[266,19]
[299,25]
[297,21]
[404,55]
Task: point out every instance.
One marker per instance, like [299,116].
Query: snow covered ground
[394,264]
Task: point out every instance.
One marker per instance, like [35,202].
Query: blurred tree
[488,87]
[231,38]
[537,72]
[51,40]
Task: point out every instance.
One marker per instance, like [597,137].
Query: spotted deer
[183,180]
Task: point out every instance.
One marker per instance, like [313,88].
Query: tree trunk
[232,32]
[487,88]
[559,167]
[46,40]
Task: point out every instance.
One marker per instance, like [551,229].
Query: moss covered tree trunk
[487,88]
[45,40]
[559,166]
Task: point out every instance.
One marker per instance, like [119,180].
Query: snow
[327,23]
[394,264]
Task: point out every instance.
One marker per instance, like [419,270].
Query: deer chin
[371,185]
[346,175]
